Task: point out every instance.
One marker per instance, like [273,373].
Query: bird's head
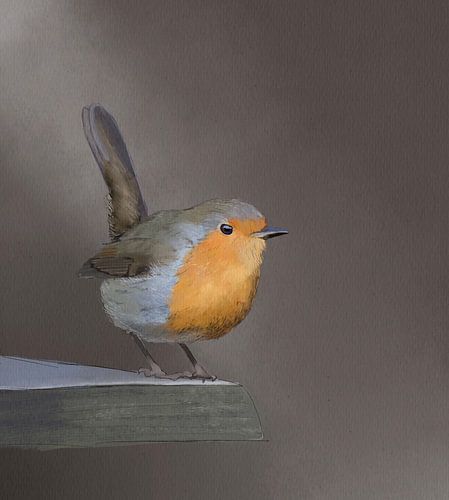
[235,231]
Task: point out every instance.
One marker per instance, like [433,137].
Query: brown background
[331,118]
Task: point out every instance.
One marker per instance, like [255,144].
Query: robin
[175,275]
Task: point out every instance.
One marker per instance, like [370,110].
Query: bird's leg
[155,370]
[198,370]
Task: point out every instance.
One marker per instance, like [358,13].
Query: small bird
[176,275]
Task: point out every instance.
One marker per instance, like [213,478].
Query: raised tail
[126,205]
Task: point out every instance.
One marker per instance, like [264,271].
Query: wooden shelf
[48,404]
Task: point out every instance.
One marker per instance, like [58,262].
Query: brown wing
[126,205]
[119,260]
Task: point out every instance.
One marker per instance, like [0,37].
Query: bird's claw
[152,372]
[199,374]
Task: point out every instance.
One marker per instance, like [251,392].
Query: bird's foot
[198,374]
[154,371]
[158,373]
[201,373]
[198,371]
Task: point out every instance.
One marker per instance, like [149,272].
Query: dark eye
[226,229]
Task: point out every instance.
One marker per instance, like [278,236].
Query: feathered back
[126,205]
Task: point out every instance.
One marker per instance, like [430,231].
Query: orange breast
[216,284]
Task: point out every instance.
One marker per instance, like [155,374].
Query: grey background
[331,118]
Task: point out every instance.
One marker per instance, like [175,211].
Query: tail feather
[126,204]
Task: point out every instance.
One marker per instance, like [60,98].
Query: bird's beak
[270,232]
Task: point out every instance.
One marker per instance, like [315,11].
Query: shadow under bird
[175,275]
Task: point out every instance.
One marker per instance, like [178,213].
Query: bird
[173,276]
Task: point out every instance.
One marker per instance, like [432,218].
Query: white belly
[140,304]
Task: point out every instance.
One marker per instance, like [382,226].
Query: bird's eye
[226,229]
